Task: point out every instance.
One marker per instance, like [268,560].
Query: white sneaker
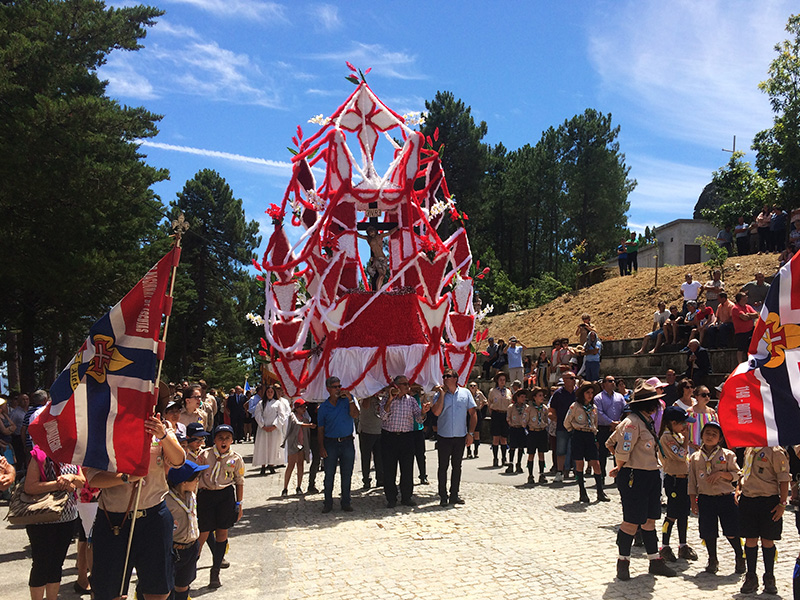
[559,477]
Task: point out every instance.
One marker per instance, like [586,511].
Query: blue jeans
[342,453]
[564,447]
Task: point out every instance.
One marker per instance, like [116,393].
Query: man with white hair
[698,363]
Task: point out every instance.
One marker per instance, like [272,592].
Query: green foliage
[779,147]
[215,291]
[76,206]
[743,191]
[717,255]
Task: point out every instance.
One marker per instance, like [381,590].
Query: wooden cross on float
[373,213]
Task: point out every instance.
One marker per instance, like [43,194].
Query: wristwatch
[124,478]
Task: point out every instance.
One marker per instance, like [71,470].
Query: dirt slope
[621,307]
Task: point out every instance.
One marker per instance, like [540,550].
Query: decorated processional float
[331,313]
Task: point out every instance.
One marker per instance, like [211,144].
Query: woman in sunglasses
[703,414]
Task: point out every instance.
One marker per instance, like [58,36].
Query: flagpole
[179,227]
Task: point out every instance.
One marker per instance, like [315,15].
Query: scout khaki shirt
[222,472]
[675,460]
[154,485]
[634,444]
[515,417]
[198,416]
[537,417]
[578,418]
[702,465]
[764,470]
[184,514]
[499,399]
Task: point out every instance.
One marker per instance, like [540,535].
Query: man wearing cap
[610,404]
[453,405]
[195,438]
[398,412]
[560,402]
[335,419]
[514,352]
[635,445]
[151,549]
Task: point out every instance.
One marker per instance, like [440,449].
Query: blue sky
[233,79]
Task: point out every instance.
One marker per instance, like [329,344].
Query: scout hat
[644,392]
[220,428]
[195,430]
[513,338]
[585,386]
[676,413]
[187,471]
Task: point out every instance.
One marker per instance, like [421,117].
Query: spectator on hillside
[722,332]
[725,239]
[698,362]
[742,233]
[756,290]
[794,235]
[514,357]
[672,325]
[691,290]
[562,357]
[712,288]
[491,356]
[689,320]
[763,222]
[622,258]
[777,228]
[585,328]
[786,255]
[659,319]
[704,318]
[744,316]
[632,247]
[501,361]
[591,359]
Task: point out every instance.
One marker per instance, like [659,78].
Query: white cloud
[248,9]
[274,167]
[323,93]
[384,63]
[124,81]
[327,16]
[665,189]
[689,68]
[179,31]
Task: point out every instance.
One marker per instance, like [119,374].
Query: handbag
[27,509]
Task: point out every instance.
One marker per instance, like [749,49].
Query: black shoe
[519,469]
[80,590]
[542,478]
[271,470]
[423,480]
[443,501]
[347,507]
[224,564]
[602,497]
[509,469]
[284,493]
[326,508]
[391,503]
[213,581]
[659,567]
[741,564]
[495,463]
[769,584]
[584,497]
[366,485]
[531,479]
[312,490]
[298,491]
[712,566]
[623,570]
[263,471]
[408,502]
[456,500]
[687,553]
[750,585]
[667,554]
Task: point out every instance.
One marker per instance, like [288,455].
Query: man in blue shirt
[609,404]
[335,434]
[453,405]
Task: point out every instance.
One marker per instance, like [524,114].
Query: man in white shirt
[691,290]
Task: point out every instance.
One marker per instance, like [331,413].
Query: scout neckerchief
[218,465]
[589,408]
[649,424]
[710,457]
[539,412]
[191,510]
[749,457]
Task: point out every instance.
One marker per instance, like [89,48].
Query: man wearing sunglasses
[453,405]
[335,419]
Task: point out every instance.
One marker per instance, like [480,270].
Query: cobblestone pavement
[508,541]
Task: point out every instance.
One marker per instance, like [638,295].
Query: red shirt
[740,326]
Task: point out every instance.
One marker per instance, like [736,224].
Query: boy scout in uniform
[219,501]
[538,440]
[763,490]
[182,503]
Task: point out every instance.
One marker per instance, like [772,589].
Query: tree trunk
[13,361]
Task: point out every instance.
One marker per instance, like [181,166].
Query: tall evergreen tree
[214,292]
[75,202]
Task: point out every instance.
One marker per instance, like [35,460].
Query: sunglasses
[703,395]
[448,376]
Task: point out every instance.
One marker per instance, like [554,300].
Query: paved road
[508,541]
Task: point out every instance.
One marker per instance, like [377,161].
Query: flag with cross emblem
[760,402]
[99,402]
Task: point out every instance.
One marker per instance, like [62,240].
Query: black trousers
[369,444]
[603,433]
[451,452]
[313,440]
[49,545]
[398,449]
[419,453]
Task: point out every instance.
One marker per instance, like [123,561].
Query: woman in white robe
[270,413]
